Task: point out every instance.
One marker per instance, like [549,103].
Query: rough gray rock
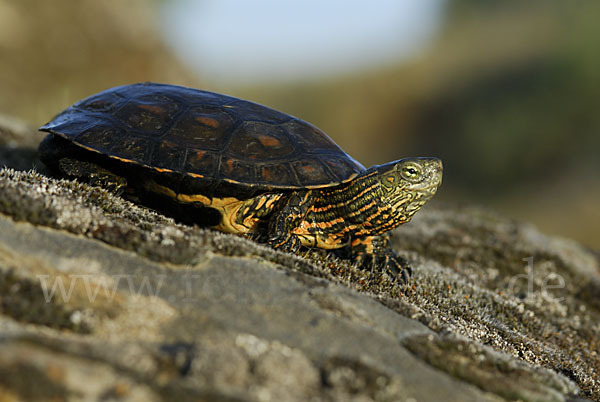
[154,310]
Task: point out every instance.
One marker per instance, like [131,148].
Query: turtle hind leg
[92,174]
[64,158]
[375,253]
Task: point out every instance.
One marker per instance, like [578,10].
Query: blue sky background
[263,40]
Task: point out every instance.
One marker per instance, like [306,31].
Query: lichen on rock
[156,310]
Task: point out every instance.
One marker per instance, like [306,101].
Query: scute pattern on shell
[204,134]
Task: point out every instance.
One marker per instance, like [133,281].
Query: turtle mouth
[428,191]
[430,185]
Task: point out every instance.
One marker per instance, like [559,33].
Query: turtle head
[407,184]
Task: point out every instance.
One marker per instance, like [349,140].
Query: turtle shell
[202,134]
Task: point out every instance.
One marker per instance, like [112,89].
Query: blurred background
[506,93]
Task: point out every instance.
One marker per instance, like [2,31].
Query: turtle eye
[411,172]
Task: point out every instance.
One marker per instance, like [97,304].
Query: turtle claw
[398,268]
[394,266]
[288,243]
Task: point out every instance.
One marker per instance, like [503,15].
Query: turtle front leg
[375,253]
[286,219]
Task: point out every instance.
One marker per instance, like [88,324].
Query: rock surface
[102,299]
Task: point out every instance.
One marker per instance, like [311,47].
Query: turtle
[239,167]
